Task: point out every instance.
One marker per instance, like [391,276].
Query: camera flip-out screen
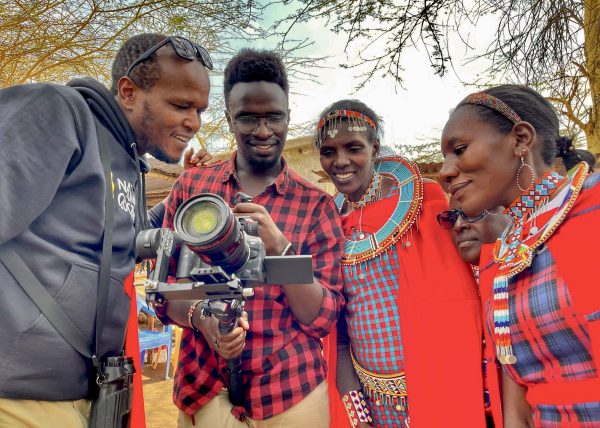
[214,283]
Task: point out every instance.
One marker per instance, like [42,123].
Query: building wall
[303,157]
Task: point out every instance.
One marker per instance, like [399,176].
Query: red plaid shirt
[282,360]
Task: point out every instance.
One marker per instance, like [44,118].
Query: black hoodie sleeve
[156,215]
[38,139]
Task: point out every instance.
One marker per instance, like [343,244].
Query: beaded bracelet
[356,407]
[191,314]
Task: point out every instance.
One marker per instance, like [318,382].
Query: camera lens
[201,219]
[147,243]
[208,227]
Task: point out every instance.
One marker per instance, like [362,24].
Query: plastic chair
[154,339]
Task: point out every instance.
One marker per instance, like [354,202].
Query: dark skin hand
[516,411]
[231,344]
[305,299]
[201,158]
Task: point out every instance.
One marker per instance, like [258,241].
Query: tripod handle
[227,326]
[235,386]
[228,313]
[236,381]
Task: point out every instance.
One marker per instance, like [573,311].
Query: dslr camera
[220,259]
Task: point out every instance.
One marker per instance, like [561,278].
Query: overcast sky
[416,111]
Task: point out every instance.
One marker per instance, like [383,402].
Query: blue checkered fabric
[549,340]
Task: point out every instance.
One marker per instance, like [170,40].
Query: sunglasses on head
[182,47]
[448,218]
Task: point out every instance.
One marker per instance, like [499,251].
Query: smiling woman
[387,375]
[542,311]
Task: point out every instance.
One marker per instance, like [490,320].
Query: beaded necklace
[408,207]
[515,248]
[370,194]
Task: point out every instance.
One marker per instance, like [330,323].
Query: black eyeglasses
[182,46]
[448,218]
[250,124]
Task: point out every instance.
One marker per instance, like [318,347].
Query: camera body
[220,255]
[115,392]
[191,264]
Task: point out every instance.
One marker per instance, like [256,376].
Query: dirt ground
[158,392]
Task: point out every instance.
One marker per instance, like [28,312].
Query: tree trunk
[593,141]
[591,30]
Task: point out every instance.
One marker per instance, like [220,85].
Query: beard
[146,141]
[161,156]
[263,164]
[260,163]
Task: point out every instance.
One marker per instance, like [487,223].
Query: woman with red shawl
[409,343]
[542,306]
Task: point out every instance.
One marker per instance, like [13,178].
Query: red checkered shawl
[575,247]
[441,328]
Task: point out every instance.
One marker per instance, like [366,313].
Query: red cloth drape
[493,380]
[441,326]
[132,349]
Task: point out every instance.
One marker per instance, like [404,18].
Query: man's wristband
[191,314]
[356,407]
[286,249]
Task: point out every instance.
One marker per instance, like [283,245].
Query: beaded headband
[332,120]
[490,101]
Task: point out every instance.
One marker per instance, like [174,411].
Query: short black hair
[360,107]
[250,65]
[145,74]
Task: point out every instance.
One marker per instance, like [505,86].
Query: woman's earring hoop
[523,164]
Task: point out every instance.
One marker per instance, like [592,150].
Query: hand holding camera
[274,241]
[229,345]
[223,255]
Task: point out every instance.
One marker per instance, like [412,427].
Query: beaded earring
[523,165]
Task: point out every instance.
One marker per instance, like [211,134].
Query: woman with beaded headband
[409,343]
[542,306]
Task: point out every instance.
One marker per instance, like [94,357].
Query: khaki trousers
[312,412]
[50,414]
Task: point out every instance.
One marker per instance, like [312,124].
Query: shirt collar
[280,183]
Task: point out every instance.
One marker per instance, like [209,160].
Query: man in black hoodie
[52,195]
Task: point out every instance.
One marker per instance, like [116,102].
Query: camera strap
[106,257]
[15,265]
[47,305]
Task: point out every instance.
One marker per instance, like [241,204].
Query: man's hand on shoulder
[202,158]
[273,239]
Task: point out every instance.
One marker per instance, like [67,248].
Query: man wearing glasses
[52,194]
[280,342]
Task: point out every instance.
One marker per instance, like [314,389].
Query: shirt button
[361,276]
